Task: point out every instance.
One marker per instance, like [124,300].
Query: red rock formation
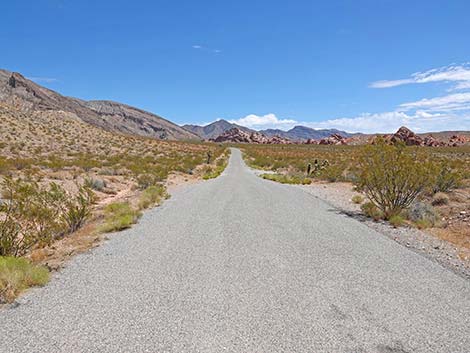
[238,136]
[407,136]
[334,139]
[430,141]
[457,140]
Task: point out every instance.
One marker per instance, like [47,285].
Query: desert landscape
[234,177]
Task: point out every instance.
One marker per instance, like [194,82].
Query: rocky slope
[215,129]
[238,136]
[297,133]
[409,138]
[303,133]
[27,96]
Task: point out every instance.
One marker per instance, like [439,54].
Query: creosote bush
[32,215]
[392,177]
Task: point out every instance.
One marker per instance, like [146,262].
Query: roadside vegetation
[62,179]
[422,187]
[213,171]
[18,274]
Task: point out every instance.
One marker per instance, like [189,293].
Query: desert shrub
[372,211]
[397,221]
[31,215]
[119,216]
[77,209]
[422,214]
[95,184]
[332,173]
[287,179]
[357,199]
[440,199]
[445,177]
[391,177]
[151,196]
[147,180]
[18,274]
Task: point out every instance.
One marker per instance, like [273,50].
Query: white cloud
[388,122]
[457,101]
[449,112]
[391,83]
[459,74]
[207,49]
[268,121]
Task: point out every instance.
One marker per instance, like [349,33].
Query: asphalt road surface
[240,264]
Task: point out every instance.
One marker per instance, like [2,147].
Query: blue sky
[345,64]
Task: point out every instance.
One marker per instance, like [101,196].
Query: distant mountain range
[297,133]
[27,96]
[215,129]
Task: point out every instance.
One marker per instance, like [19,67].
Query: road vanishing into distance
[241,264]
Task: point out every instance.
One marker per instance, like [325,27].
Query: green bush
[77,209]
[119,216]
[445,178]
[397,221]
[18,274]
[392,177]
[147,180]
[152,196]
[357,199]
[32,215]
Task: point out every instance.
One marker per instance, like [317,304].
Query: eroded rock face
[407,136]
[334,139]
[239,136]
[457,140]
[430,141]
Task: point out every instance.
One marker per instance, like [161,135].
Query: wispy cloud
[458,74]
[446,112]
[42,79]
[207,49]
[451,102]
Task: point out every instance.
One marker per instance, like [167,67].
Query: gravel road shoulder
[339,196]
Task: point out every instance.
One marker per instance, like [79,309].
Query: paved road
[240,264]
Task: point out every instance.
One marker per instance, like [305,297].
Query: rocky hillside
[297,133]
[27,96]
[215,129]
[303,133]
[408,137]
[238,136]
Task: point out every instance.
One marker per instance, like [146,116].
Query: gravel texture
[241,264]
[339,196]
